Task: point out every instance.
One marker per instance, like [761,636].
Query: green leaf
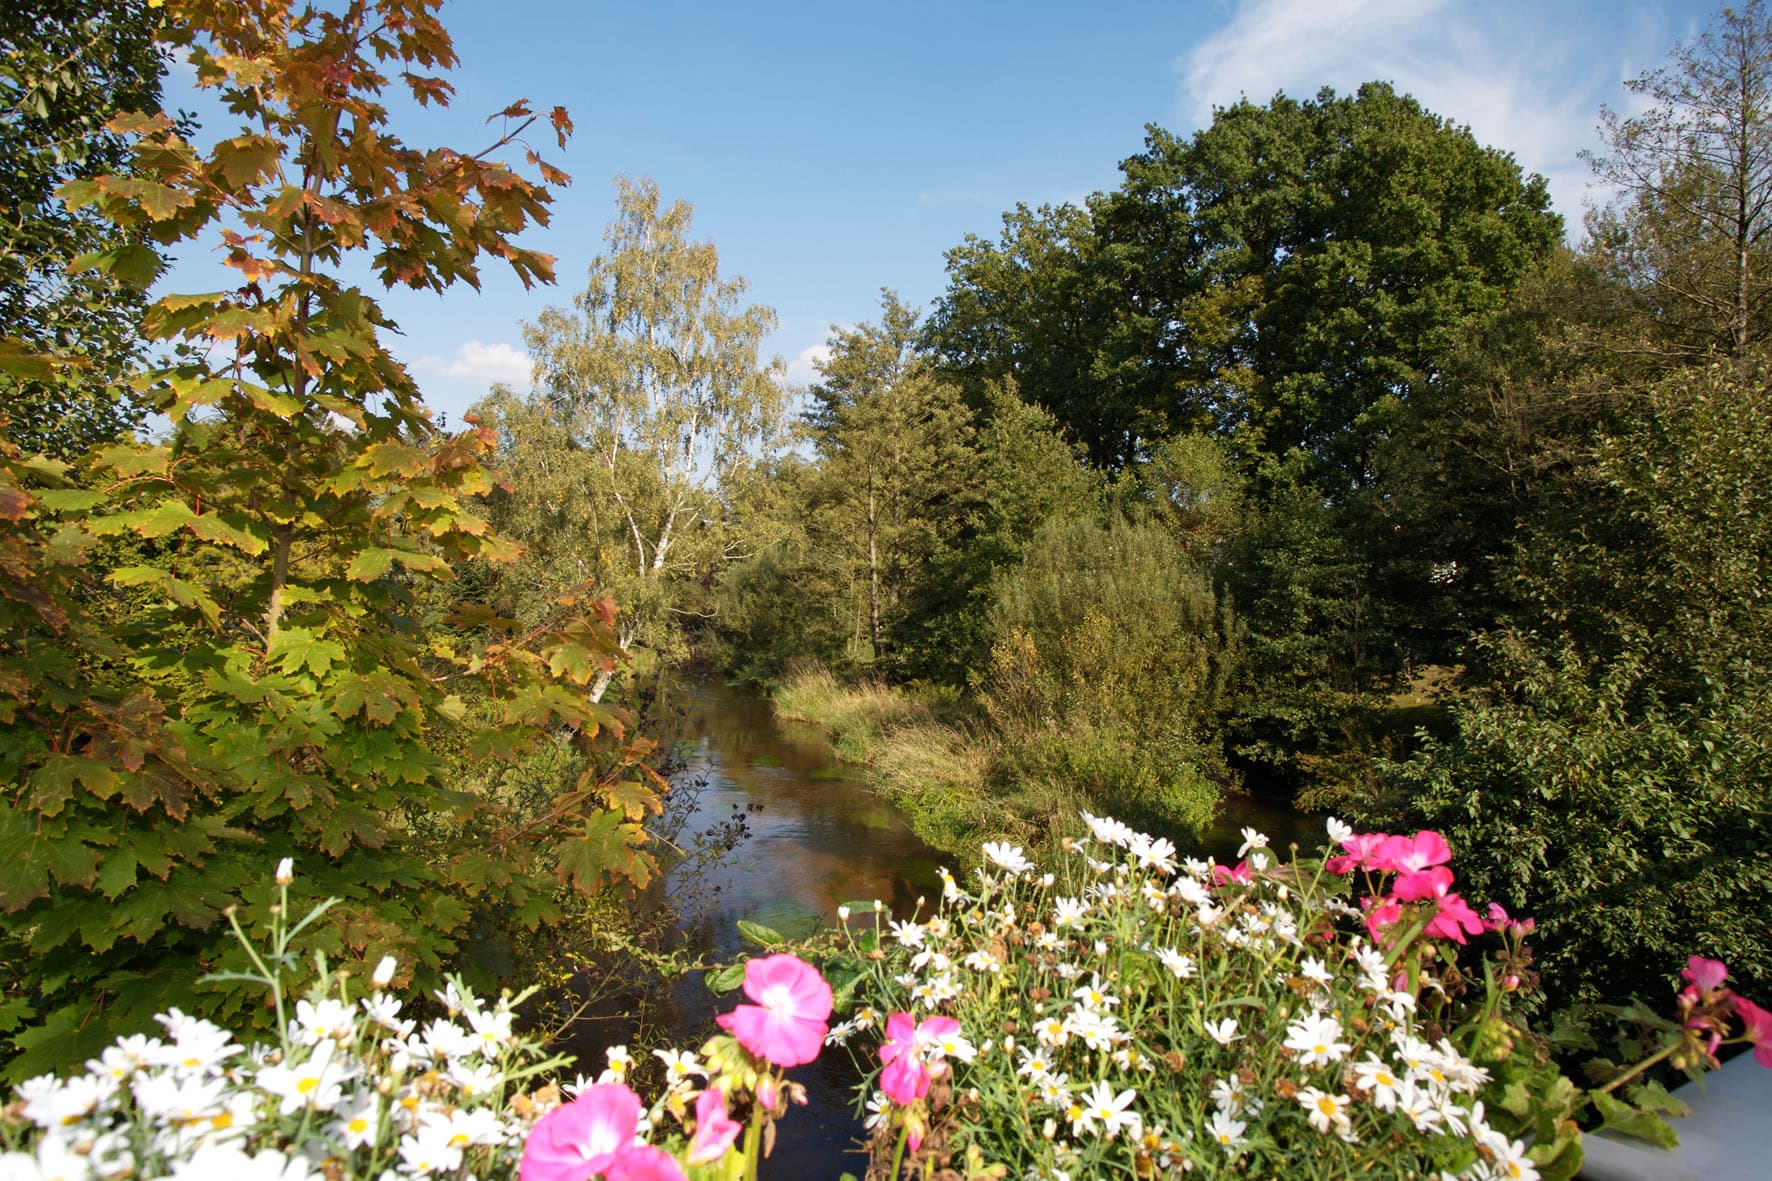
[52,784]
[1620,1116]
[758,935]
[371,564]
[295,648]
[726,979]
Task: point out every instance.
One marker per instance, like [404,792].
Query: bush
[1614,765]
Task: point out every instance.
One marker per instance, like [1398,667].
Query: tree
[1695,172]
[653,382]
[1053,310]
[1339,248]
[264,682]
[892,439]
[1610,771]
[68,68]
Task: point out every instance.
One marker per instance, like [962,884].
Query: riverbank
[931,769]
[959,784]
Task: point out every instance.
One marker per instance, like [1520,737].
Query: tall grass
[936,772]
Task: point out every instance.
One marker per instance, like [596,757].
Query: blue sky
[834,149]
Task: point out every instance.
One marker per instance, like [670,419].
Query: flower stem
[904,1133]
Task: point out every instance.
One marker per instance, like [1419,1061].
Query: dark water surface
[807,835]
[818,837]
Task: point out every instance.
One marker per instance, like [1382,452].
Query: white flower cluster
[1133,1009]
[353,1091]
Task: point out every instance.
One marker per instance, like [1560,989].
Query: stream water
[806,835]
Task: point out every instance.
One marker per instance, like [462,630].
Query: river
[806,835]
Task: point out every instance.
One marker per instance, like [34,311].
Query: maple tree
[223,647]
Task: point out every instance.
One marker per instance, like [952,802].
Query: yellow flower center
[307,1084]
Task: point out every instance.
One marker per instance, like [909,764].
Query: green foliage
[894,460]
[653,404]
[69,67]
[263,676]
[1023,474]
[1688,232]
[1116,648]
[1612,770]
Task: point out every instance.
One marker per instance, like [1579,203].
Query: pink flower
[714,1130]
[1496,918]
[1708,975]
[1361,847]
[1411,854]
[580,1139]
[1454,920]
[1759,1029]
[1418,884]
[906,1079]
[1221,875]
[1382,917]
[787,1024]
[645,1163]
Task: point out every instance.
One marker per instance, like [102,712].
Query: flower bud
[384,972]
[286,871]
[842,914]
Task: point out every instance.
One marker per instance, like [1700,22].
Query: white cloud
[1524,80]
[478,361]
[802,370]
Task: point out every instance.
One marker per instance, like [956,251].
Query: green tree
[1690,231]
[1339,248]
[893,444]
[1611,772]
[67,68]
[1053,310]
[273,688]
[652,404]
[1024,473]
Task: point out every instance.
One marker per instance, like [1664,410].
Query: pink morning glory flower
[787,1024]
[580,1139]
[714,1130]
[645,1163]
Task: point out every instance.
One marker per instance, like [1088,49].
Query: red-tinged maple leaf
[562,124]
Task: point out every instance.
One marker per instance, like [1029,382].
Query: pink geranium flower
[645,1163]
[1239,873]
[1708,975]
[1382,917]
[714,1130]
[787,1024]
[1454,920]
[580,1139]
[1759,1029]
[1413,854]
[1419,884]
[1361,848]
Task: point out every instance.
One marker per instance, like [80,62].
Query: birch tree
[651,401]
[1694,226]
